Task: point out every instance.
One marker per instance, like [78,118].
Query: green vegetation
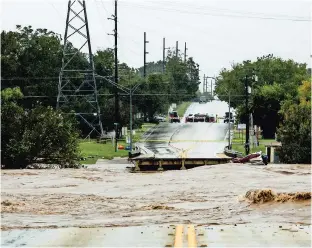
[278,80]
[280,101]
[26,45]
[32,129]
[92,151]
[241,148]
[238,143]
[40,134]
[139,132]
[295,130]
[31,60]
[182,107]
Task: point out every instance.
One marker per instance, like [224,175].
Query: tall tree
[277,79]
[33,57]
[295,130]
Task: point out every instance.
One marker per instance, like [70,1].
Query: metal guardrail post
[183,165]
[160,168]
[137,168]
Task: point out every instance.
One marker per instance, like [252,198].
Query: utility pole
[164,54]
[144,67]
[247,147]
[117,114]
[116,79]
[177,48]
[204,81]
[211,89]
[131,115]
[185,52]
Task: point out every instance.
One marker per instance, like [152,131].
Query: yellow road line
[191,236]
[178,241]
[183,153]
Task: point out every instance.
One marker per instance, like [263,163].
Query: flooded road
[106,194]
[198,140]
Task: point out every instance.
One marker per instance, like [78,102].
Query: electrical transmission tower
[205,84]
[77,89]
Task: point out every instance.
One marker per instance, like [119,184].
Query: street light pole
[229,146]
[247,148]
[131,120]
[131,92]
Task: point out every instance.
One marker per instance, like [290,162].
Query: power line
[201,7]
[32,78]
[103,6]
[99,14]
[138,94]
[154,8]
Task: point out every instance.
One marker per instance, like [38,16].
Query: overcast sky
[217,33]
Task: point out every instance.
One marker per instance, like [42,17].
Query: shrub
[40,133]
[295,135]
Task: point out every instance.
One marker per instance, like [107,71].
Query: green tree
[151,100]
[11,122]
[37,133]
[278,79]
[183,78]
[34,58]
[295,130]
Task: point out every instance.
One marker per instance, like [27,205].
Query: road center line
[191,236]
[178,241]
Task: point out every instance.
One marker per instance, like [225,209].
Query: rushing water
[108,194]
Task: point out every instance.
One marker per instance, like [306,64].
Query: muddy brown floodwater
[107,194]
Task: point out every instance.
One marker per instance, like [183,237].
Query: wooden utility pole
[185,52]
[144,67]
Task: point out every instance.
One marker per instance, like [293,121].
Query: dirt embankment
[267,195]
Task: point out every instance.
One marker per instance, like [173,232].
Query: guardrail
[154,163]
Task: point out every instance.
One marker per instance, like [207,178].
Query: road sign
[241,126]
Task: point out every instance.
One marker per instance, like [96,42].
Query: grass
[138,133]
[241,148]
[182,107]
[238,144]
[92,151]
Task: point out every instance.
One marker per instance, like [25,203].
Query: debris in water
[26,173]
[157,207]
[10,206]
[89,178]
[267,195]
[260,196]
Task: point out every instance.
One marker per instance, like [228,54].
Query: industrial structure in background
[77,83]
[208,88]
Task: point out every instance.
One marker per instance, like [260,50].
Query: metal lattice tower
[77,89]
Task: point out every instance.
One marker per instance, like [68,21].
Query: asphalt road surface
[196,140]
